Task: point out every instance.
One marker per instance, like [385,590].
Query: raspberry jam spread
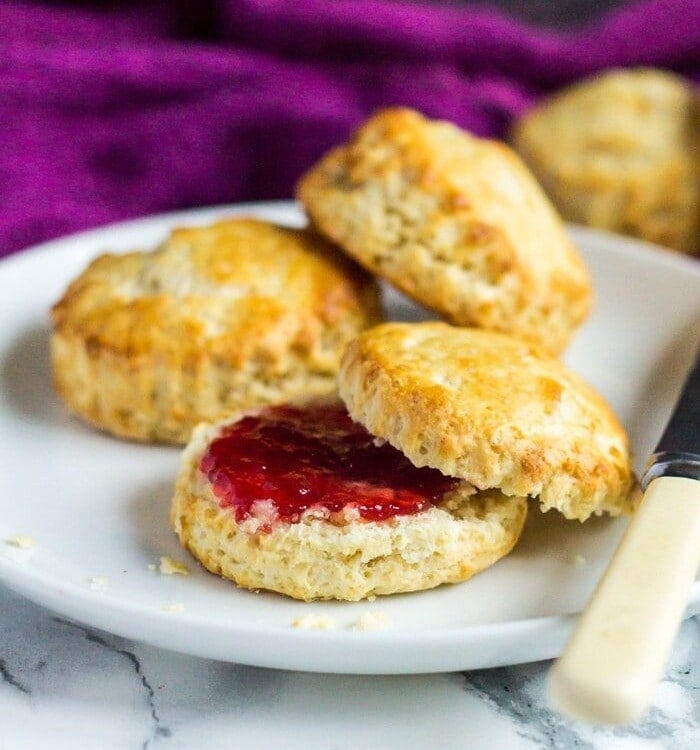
[314,459]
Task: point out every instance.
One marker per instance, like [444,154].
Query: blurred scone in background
[619,151]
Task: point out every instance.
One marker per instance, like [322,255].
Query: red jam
[315,459]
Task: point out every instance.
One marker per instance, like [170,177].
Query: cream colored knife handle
[618,651]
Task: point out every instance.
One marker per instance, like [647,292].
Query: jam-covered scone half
[301,500]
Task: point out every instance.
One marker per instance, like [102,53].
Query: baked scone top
[249,288]
[455,221]
[620,151]
[492,410]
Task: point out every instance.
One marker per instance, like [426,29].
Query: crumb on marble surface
[314,622]
[372,620]
[170,567]
[21,541]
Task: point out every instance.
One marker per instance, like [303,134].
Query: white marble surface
[65,686]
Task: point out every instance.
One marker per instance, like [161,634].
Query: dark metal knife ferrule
[668,464]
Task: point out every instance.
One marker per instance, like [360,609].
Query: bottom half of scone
[351,559]
[152,397]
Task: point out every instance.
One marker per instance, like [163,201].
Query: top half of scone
[456,222]
[233,291]
[492,410]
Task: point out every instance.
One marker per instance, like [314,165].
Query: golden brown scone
[492,410]
[620,152]
[219,318]
[348,559]
[456,222]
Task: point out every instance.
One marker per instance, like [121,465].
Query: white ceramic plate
[97,506]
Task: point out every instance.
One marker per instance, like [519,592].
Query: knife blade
[678,451]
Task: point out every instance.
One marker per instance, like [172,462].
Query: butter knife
[618,650]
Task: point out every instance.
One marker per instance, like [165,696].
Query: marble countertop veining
[65,686]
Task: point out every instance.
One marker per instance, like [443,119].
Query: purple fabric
[110,114]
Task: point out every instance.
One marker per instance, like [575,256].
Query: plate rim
[71,600]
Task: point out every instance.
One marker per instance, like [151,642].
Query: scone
[456,222]
[300,500]
[492,410]
[221,318]
[620,152]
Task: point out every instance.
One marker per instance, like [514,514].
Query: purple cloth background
[110,114]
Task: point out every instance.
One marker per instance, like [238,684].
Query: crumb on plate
[173,607]
[21,541]
[170,567]
[371,620]
[314,622]
[98,583]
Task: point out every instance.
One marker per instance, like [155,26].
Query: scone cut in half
[456,222]
[495,411]
[217,319]
[620,151]
[300,500]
